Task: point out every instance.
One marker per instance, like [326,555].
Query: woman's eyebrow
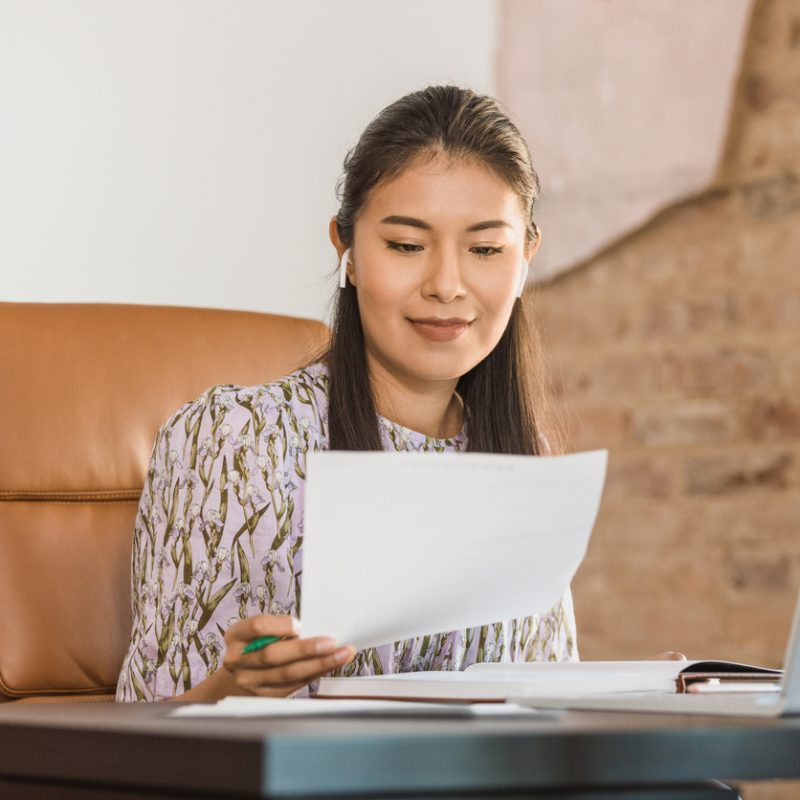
[489,223]
[396,219]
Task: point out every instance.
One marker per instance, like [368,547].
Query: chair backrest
[83,390]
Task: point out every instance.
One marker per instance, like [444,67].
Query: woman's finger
[245,630]
[295,674]
[279,653]
[668,655]
[280,667]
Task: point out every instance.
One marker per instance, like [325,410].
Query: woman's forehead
[443,192]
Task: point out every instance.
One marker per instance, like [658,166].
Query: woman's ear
[533,246]
[333,235]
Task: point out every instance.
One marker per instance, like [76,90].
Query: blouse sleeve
[212,540]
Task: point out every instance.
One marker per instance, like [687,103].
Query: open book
[496,682]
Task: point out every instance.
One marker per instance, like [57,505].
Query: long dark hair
[503,394]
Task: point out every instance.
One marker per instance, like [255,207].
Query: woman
[430,350]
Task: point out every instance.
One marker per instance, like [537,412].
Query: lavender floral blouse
[219,537]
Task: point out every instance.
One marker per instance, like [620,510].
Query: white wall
[185,152]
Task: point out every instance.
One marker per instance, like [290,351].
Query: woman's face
[436,261]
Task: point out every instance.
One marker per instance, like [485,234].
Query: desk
[129,751]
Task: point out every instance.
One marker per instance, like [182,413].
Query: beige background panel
[624,104]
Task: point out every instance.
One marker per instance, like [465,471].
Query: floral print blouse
[219,537]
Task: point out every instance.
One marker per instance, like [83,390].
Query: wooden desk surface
[141,746]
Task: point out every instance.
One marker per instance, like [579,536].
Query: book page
[399,545]
[544,670]
[539,678]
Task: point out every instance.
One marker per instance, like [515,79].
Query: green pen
[260,643]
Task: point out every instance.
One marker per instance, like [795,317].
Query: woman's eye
[404,247]
[408,248]
[485,252]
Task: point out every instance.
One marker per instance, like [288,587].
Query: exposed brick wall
[679,350]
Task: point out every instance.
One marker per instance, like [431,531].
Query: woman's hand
[668,655]
[281,668]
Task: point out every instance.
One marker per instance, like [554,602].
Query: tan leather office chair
[83,390]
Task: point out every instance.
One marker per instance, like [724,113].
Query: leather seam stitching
[50,498]
[76,492]
[77,502]
[45,495]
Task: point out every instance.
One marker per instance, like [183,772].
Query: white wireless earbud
[343,268]
[523,277]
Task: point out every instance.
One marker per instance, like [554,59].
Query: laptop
[785,701]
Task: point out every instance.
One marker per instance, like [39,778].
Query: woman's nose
[443,279]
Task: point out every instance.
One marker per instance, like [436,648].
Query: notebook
[497,682]
[782,700]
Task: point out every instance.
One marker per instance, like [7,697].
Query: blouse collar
[417,437]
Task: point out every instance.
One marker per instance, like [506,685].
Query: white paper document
[276,707]
[304,707]
[398,545]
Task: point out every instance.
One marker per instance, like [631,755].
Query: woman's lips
[439,331]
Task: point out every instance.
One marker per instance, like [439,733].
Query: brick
[645,372]
[640,526]
[772,309]
[682,317]
[639,476]
[562,324]
[768,26]
[754,628]
[605,377]
[591,428]
[769,250]
[788,360]
[654,268]
[686,266]
[709,215]
[773,418]
[766,147]
[759,91]
[731,472]
[759,517]
[773,196]
[709,259]
[627,609]
[766,92]
[760,573]
[723,369]
[685,423]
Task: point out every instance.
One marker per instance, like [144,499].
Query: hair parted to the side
[504,395]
